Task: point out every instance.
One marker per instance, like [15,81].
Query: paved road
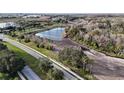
[30,74]
[68,74]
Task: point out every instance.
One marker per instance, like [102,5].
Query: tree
[45,65]
[55,74]
[10,64]
[2,46]
[72,57]
[26,40]
[21,37]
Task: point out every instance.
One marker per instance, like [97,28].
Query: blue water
[52,34]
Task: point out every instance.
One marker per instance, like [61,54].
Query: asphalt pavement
[30,74]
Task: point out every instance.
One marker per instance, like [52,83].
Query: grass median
[44,51]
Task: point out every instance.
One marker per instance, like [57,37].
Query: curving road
[104,67]
[68,74]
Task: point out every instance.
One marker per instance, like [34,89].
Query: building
[7,25]
[44,18]
[31,16]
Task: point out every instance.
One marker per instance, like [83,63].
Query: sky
[61,6]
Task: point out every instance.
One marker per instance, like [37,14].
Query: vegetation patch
[76,61]
[10,63]
[103,35]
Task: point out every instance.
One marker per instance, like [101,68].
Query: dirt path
[106,67]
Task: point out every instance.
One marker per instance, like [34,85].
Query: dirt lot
[105,67]
[65,43]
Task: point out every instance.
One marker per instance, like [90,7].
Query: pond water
[52,34]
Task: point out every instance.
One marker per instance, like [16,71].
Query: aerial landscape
[39,46]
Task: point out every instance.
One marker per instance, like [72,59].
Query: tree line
[103,34]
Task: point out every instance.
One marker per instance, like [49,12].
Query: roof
[8,24]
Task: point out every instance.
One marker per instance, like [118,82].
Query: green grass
[30,60]
[20,52]
[26,31]
[46,52]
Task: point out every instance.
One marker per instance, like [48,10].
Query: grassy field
[30,60]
